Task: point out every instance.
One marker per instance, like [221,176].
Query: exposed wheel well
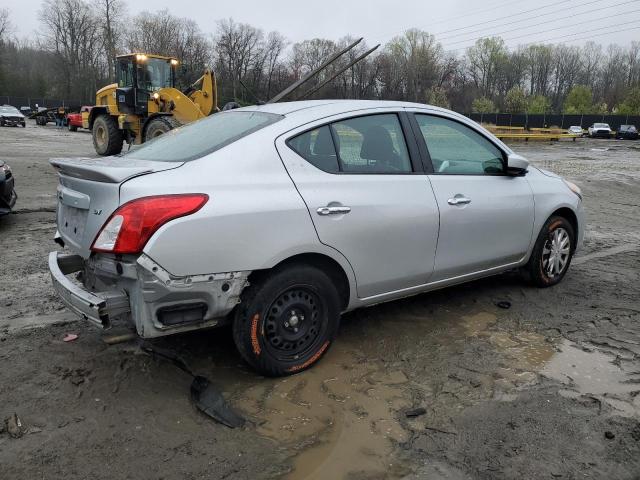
[568,214]
[322,262]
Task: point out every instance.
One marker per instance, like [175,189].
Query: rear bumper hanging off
[99,308]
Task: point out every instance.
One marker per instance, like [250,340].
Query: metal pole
[342,70]
[312,73]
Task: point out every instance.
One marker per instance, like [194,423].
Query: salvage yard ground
[548,388]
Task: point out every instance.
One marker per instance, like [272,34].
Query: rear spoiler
[108,169]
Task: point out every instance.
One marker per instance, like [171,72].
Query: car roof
[301,112]
[322,107]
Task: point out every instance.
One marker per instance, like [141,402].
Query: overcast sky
[457,24]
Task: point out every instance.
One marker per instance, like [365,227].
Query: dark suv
[629,132]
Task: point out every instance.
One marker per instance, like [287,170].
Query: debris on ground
[206,397]
[14,426]
[504,304]
[119,338]
[609,435]
[415,412]
[211,402]
[70,337]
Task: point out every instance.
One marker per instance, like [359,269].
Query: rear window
[203,137]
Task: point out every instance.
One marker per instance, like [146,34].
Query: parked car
[8,195]
[79,119]
[11,117]
[602,130]
[278,218]
[576,130]
[26,111]
[627,132]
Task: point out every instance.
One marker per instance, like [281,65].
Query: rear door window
[372,144]
[368,145]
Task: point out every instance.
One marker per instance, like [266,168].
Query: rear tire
[159,126]
[107,137]
[287,320]
[72,128]
[552,252]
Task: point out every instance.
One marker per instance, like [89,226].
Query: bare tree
[71,31]
[5,23]
[236,46]
[112,12]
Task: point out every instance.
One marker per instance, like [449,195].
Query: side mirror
[516,165]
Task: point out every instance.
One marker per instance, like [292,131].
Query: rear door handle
[458,200]
[333,210]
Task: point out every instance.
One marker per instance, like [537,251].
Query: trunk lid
[89,192]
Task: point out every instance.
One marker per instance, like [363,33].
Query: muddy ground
[548,388]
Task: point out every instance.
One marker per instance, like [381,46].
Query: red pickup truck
[79,119]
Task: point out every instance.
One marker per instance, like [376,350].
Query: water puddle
[596,374]
[341,418]
[336,419]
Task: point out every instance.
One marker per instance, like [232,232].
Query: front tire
[107,137]
[552,252]
[72,128]
[287,320]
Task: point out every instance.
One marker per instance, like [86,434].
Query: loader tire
[107,137]
[158,126]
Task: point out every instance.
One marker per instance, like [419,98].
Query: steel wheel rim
[293,324]
[556,253]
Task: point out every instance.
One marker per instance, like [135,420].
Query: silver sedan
[278,218]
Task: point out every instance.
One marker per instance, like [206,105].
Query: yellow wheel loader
[144,102]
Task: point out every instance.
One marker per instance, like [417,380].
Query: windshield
[601,125]
[204,136]
[9,110]
[154,74]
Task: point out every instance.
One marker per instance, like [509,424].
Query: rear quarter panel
[254,218]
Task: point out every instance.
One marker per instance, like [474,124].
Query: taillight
[129,228]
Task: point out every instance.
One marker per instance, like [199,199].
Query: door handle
[458,200]
[333,210]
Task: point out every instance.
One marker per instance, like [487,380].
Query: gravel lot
[548,388]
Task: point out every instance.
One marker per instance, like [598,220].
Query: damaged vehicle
[279,218]
[11,117]
[8,196]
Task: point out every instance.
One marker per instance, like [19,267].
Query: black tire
[263,328]
[72,128]
[107,137]
[1,122]
[158,126]
[24,124]
[537,267]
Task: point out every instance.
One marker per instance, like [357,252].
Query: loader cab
[139,76]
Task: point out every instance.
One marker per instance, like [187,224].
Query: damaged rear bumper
[98,308]
[138,290]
